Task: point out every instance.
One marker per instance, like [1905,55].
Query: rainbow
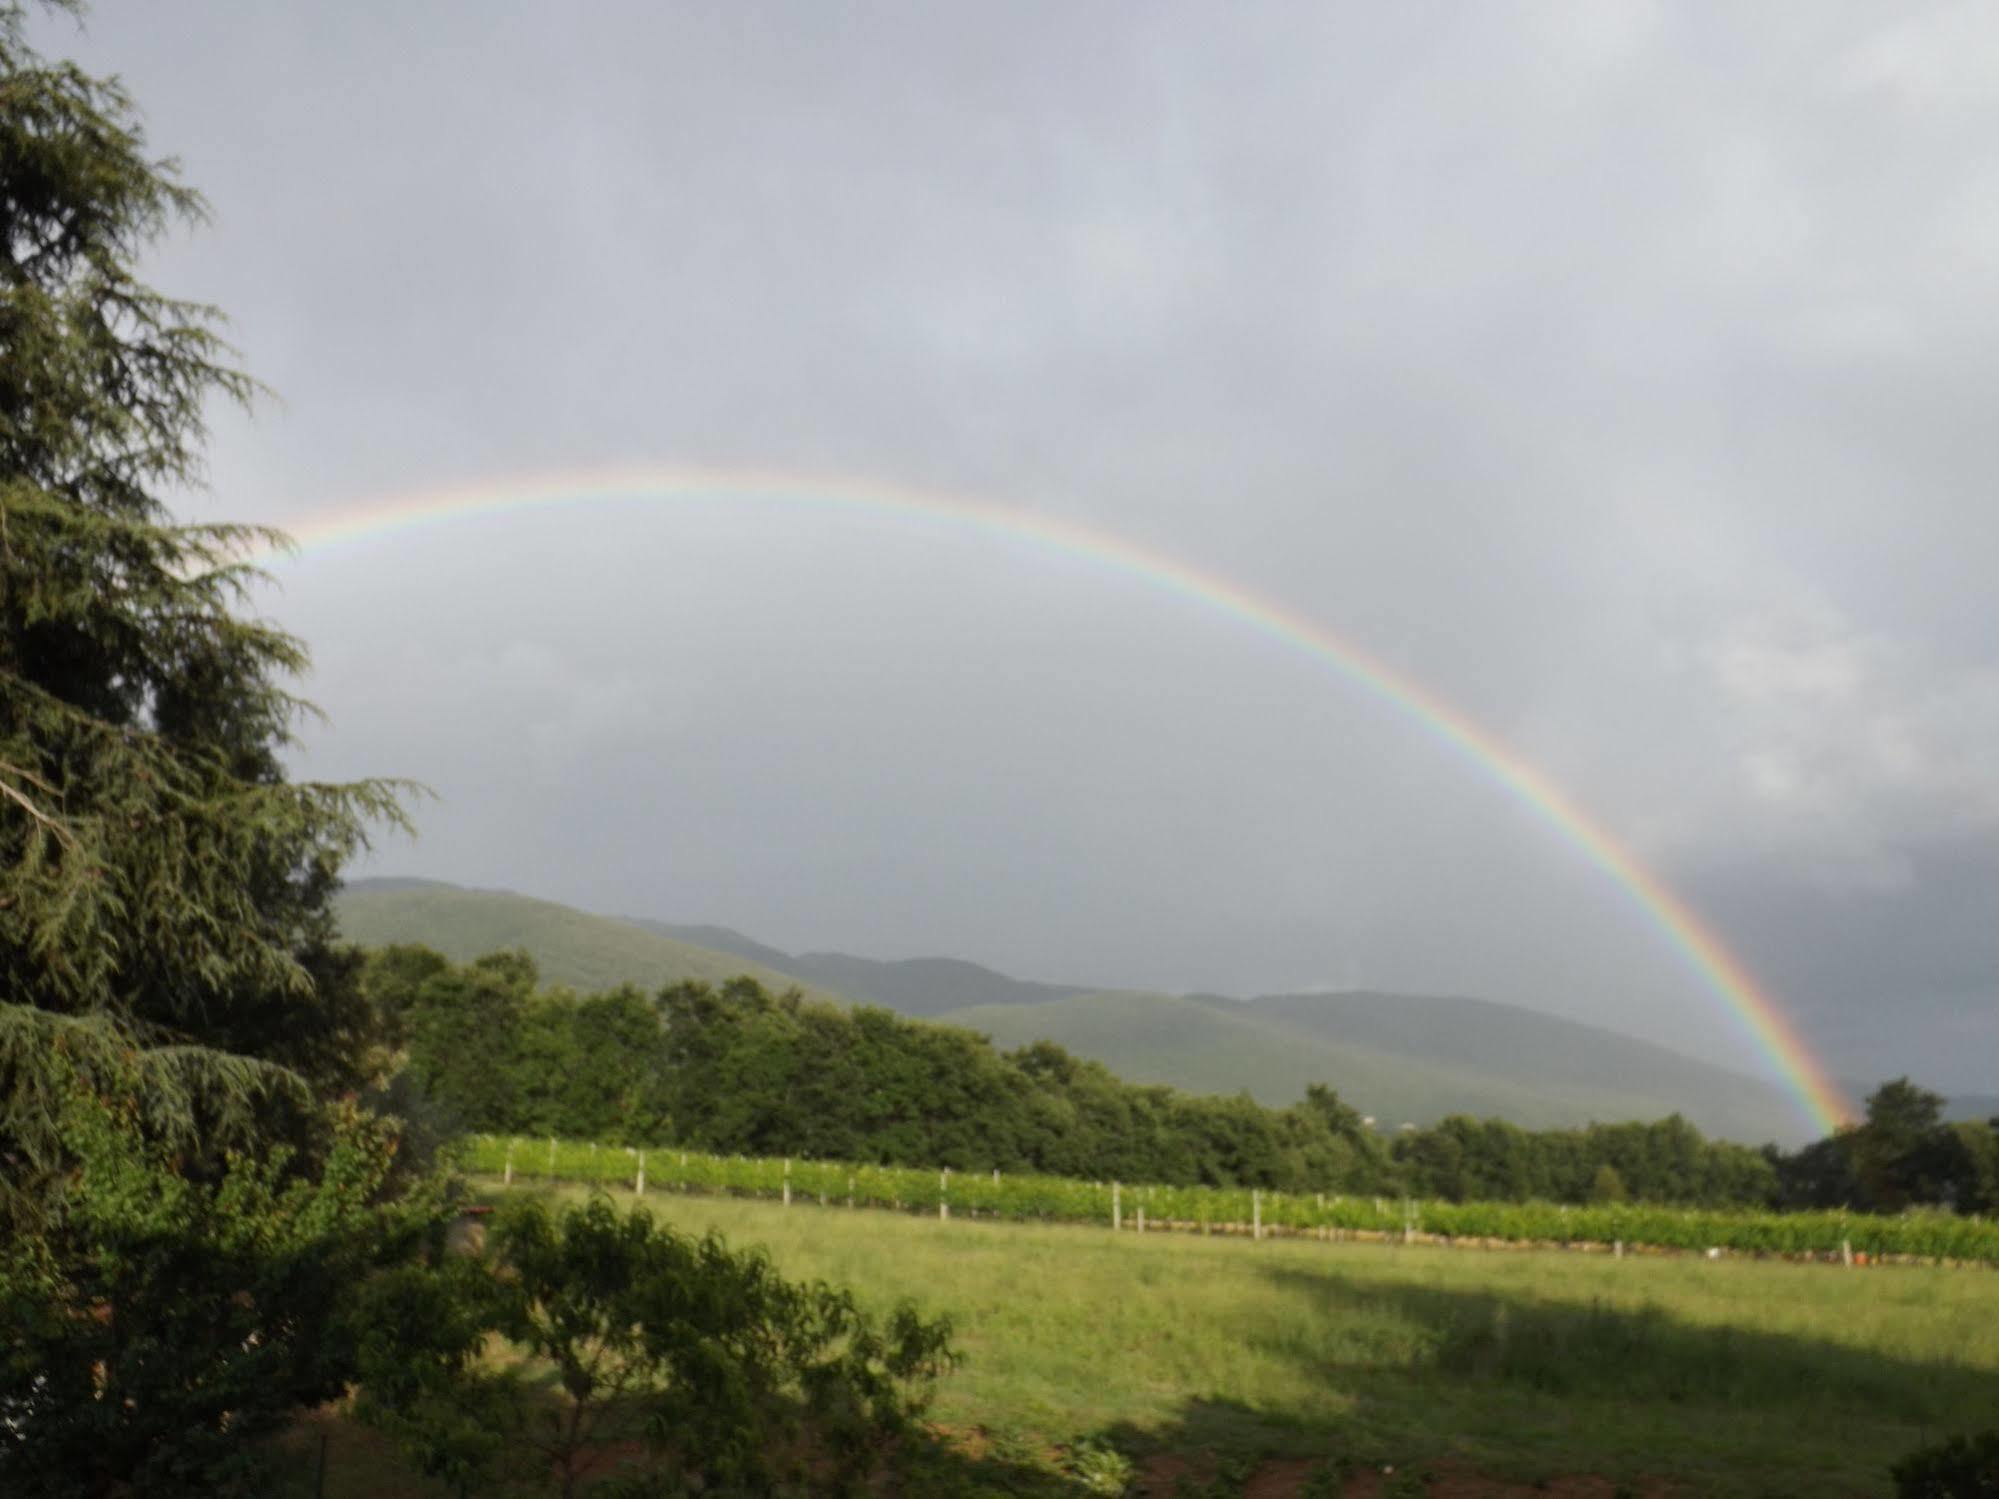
[1753,1013]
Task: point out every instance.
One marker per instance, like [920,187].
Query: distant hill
[570,946]
[718,939]
[921,987]
[1401,1058]
[1586,1064]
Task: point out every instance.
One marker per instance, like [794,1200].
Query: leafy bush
[726,1378]
[157,1326]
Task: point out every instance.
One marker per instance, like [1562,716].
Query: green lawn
[1728,1378]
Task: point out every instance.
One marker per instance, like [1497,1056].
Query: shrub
[726,1378]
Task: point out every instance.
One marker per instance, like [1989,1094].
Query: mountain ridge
[569,946]
[1400,1058]
[909,986]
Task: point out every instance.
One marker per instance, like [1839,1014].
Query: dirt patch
[1282,1479]
[1161,1474]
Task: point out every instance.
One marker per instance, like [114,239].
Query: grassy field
[1654,1376]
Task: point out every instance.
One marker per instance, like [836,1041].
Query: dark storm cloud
[1618,370]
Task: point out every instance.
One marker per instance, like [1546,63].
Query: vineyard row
[1925,1236]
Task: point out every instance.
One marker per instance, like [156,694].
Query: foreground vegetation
[1730,1378]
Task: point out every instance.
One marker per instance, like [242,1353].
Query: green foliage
[160,1324]
[163,887]
[1098,1469]
[422,1331]
[1607,1185]
[732,1379]
[1902,1155]
[1960,1468]
[740,1069]
[182,1206]
[1666,1161]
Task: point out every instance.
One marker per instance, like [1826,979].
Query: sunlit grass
[1735,1377]
[1728,1378]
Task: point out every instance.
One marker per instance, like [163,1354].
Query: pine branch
[62,833]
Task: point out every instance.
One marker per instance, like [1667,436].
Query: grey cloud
[1620,373]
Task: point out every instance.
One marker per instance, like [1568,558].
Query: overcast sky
[1623,373]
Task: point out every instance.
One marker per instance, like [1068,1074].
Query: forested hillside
[739,1069]
[569,946]
[909,986]
[1400,1058]
[1404,1058]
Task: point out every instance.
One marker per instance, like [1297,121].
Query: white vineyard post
[943,1194]
[850,1191]
[639,1186]
[1141,1217]
[1846,1253]
[787,1181]
[1117,1208]
[507,1176]
[1256,1213]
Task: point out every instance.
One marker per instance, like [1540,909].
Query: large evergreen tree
[185,1203]
[164,887]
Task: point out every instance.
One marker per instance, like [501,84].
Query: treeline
[739,1069]
[1904,1155]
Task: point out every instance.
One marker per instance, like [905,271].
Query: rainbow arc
[1754,1013]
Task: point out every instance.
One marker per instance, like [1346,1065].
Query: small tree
[1607,1185]
[1899,1153]
[424,1332]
